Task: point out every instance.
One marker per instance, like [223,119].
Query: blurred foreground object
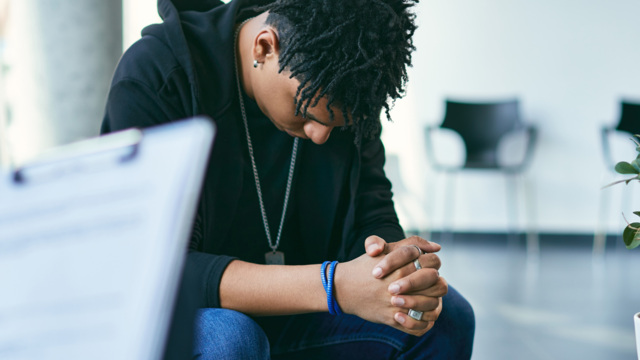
[93,241]
[482,126]
[4,146]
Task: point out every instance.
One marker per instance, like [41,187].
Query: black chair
[481,126]
[629,123]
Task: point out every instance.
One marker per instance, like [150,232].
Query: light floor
[560,305]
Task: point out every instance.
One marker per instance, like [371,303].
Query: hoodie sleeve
[133,103]
[374,210]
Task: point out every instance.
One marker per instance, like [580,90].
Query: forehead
[319,111]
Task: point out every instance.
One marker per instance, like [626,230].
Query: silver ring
[419,250]
[415,314]
[417,264]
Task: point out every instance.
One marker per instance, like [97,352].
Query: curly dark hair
[356,52]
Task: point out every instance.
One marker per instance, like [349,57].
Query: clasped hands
[393,285]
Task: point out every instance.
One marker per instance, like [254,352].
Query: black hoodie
[185,67]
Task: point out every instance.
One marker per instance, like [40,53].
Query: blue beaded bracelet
[332,268]
[323,276]
[327,282]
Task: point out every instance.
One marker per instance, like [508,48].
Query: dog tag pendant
[274,258]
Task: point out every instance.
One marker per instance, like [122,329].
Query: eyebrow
[311,117]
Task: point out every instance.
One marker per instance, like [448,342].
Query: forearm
[262,290]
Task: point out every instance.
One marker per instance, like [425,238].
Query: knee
[460,319]
[228,334]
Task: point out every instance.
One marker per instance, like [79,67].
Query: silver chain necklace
[275,257]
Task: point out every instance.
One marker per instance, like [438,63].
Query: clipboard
[93,238]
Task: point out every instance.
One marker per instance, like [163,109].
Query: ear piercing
[255,63]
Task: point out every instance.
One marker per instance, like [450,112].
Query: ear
[266,45]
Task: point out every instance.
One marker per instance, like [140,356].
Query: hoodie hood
[200,35]
[167,6]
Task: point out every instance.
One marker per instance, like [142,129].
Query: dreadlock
[355,52]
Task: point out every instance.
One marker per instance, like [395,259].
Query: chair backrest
[481,126]
[629,118]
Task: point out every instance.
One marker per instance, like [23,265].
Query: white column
[61,56]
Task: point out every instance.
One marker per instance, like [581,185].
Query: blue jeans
[228,334]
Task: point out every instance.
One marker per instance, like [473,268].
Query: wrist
[338,286]
[320,298]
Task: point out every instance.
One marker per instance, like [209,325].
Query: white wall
[569,62]
[136,15]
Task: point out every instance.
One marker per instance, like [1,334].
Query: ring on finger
[416,262]
[419,250]
[417,315]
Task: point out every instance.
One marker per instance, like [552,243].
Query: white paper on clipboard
[92,244]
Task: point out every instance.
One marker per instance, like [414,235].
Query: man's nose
[318,133]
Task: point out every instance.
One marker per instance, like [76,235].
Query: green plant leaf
[637,213]
[635,243]
[624,167]
[636,165]
[629,235]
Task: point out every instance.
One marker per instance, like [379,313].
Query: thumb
[374,245]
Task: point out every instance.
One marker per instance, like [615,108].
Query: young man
[296,88]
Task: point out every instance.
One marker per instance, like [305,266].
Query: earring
[255,63]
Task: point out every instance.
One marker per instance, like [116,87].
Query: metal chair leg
[600,234]
[533,242]
[512,208]
[431,201]
[447,227]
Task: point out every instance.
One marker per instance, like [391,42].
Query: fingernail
[398,301]
[399,319]
[394,288]
[434,243]
[377,272]
[373,247]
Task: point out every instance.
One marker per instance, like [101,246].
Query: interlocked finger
[411,323]
[427,317]
[416,302]
[430,261]
[420,280]
[398,258]
[439,289]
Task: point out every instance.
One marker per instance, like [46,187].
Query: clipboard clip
[85,155]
